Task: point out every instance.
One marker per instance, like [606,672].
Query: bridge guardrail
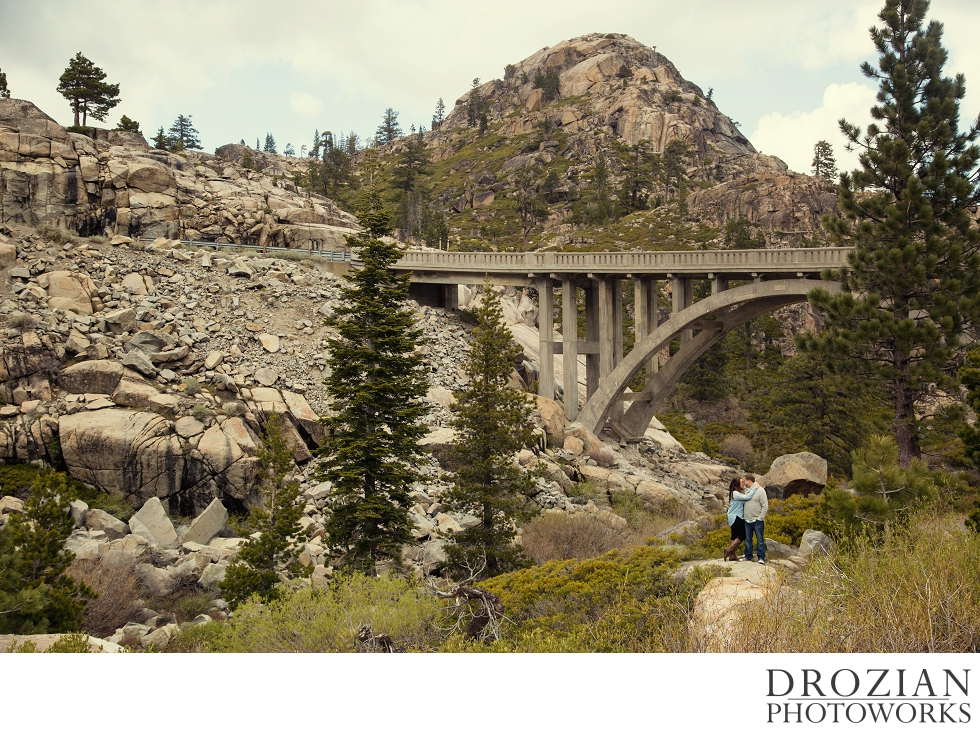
[330,256]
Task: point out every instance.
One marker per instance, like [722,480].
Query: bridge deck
[516,267]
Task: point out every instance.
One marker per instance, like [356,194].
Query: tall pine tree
[83,84]
[492,421]
[916,257]
[5,91]
[182,135]
[824,164]
[376,386]
[261,561]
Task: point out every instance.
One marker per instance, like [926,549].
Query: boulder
[91,377]
[212,575]
[136,284]
[306,418]
[801,473]
[266,376]
[137,359]
[127,454]
[269,342]
[121,321]
[208,525]
[157,582]
[98,520]
[152,523]
[550,416]
[78,509]
[188,427]
[590,443]
[71,292]
[816,543]
[133,391]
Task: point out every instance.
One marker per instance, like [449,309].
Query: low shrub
[232,409]
[314,620]
[192,386]
[199,411]
[556,536]
[118,599]
[736,446]
[56,234]
[604,458]
[22,321]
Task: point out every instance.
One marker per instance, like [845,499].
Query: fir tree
[412,165]
[916,264]
[261,562]
[492,422]
[824,164]
[4,89]
[531,208]
[83,84]
[182,134]
[128,125]
[389,129]
[270,143]
[601,179]
[35,594]
[474,105]
[288,150]
[376,387]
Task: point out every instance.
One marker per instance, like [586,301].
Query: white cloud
[305,104]
[791,137]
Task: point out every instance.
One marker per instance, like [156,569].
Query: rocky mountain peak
[608,83]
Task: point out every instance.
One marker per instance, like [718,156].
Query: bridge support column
[546,334]
[681,297]
[645,308]
[592,370]
[569,331]
[610,331]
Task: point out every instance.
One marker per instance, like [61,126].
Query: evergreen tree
[531,208]
[440,114]
[129,125]
[270,143]
[548,82]
[824,164]
[288,150]
[257,144]
[161,141]
[35,594]
[261,561]
[317,143]
[639,172]
[389,129]
[675,159]
[492,422]
[4,89]
[550,185]
[881,491]
[916,264]
[182,135]
[601,178]
[83,84]
[412,164]
[474,105]
[376,387]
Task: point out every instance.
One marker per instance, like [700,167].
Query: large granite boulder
[128,454]
[801,473]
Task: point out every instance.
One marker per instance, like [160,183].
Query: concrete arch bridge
[777,277]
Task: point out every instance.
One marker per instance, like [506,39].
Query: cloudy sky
[785,69]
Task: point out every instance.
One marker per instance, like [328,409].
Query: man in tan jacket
[756,509]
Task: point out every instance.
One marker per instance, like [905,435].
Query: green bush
[192,386]
[325,620]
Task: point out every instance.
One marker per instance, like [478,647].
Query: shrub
[22,321]
[604,458]
[736,446]
[916,590]
[232,409]
[118,600]
[71,643]
[56,234]
[199,411]
[192,386]
[315,620]
[556,536]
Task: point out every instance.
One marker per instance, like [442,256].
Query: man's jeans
[756,529]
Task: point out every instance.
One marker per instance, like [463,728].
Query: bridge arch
[715,316]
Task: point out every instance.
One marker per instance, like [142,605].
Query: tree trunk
[75,109]
[906,431]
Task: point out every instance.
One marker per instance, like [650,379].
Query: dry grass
[737,447]
[118,602]
[559,536]
[915,592]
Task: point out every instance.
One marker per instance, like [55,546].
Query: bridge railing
[812,259]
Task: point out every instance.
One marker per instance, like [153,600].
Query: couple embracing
[747,508]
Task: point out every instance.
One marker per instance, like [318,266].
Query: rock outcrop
[115,184]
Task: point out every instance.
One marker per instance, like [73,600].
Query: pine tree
[5,91]
[128,125]
[474,105]
[35,594]
[601,179]
[182,135]
[493,422]
[916,263]
[83,84]
[440,114]
[531,208]
[882,492]
[824,164]
[376,387]
[288,150]
[161,141]
[389,129]
[270,143]
[261,562]
[412,164]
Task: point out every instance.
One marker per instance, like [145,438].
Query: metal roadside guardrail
[330,256]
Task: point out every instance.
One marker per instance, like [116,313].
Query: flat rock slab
[269,342]
[187,427]
[87,377]
[266,376]
[152,523]
[208,525]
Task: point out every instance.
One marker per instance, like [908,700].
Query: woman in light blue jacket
[736,516]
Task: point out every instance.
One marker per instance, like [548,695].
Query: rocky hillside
[609,94]
[115,184]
